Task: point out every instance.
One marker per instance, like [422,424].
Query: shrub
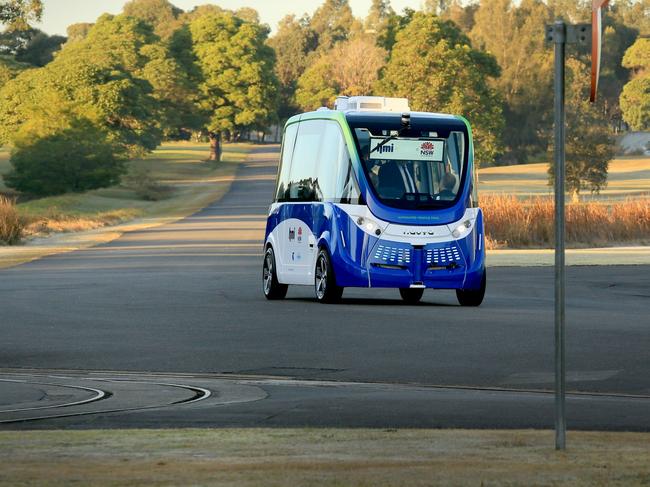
[11,224]
[145,186]
[72,159]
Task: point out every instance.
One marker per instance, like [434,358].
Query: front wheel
[411,295]
[324,281]
[270,285]
[472,297]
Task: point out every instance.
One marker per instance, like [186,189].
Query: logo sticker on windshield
[407,149]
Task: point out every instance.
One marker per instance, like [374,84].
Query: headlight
[462,229]
[368,225]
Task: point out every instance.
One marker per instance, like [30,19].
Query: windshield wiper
[406,124]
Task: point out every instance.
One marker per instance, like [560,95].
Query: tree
[16,14]
[238,87]
[617,38]
[378,17]
[78,32]
[161,14]
[589,144]
[526,69]
[436,7]
[38,48]
[293,43]
[635,103]
[434,65]
[633,14]
[461,15]
[635,98]
[129,44]
[76,157]
[10,68]
[101,78]
[637,57]
[332,23]
[572,11]
[394,24]
[350,68]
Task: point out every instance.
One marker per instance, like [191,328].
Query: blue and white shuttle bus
[373,195]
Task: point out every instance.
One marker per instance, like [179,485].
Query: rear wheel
[411,295]
[324,281]
[472,297]
[270,285]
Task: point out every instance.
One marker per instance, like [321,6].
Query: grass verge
[628,177]
[180,169]
[324,457]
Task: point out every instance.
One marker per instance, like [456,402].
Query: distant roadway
[182,302]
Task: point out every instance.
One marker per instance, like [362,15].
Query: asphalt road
[186,298]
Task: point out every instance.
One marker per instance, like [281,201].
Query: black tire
[472,297]
[411,295]
[324,280]
[270,286]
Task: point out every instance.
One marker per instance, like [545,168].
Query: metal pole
[560,372]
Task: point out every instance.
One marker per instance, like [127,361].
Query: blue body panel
[360,258]
[357,256]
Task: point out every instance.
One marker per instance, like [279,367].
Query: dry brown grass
[511,222]
[321,457]
[11,223]
[58,222]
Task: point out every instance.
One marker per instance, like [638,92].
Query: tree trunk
[215,146]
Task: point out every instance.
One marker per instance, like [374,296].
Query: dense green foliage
[332,23]
[16,14]
[158,72]
[75,158]
[446,76]
[526,69]
[30,46]
[160,14]
[589,142]
[10,68]
[635,98]
[238,87]
[293,43]
[350,68]
[101,78]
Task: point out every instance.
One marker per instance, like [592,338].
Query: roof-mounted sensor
[371,104]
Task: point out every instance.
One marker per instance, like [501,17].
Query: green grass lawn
[181,167]
[628,177]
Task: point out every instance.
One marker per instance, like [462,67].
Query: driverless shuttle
[373,195]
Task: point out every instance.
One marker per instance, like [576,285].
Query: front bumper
[455,264]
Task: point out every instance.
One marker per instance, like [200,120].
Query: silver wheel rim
[267,272]
[321,277]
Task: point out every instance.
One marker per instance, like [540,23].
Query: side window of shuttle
[288,143]
[317,167]
[349,192]
[474,189]
[328,161]
[335,178]
[303,184]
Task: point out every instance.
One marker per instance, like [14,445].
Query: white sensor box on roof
[371,104]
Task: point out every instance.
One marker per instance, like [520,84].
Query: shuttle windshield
[413,169]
